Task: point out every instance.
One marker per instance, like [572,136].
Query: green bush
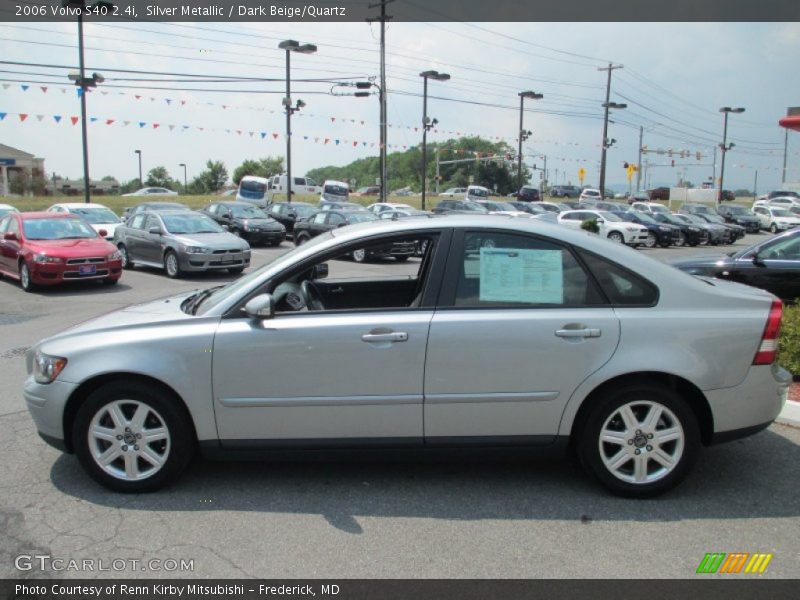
[590,225]
[789,346]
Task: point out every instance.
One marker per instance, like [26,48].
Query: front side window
[319,218]
[189,224]
[138,221]
[510,270]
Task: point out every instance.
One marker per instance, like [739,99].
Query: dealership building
[14,163]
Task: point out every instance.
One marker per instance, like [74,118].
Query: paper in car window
[521,276]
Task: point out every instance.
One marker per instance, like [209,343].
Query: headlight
[631,229]
[43,258]
[116,255]
[46,368]
[694,229]
[196,250]
[246,226]
[662,228]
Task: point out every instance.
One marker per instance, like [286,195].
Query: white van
[300,185]
[253,189]
[477,192]
[334,191]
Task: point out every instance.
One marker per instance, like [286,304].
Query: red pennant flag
[183,102]
[327,140]
[74,120]
[355,144]
[44,89]
[224,107]
[275,136]
[22,116]
[333,119]
[156,125]
[109,121]
[239,131]
[137,97]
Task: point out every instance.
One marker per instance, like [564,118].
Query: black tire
[25,277]
[127,263]
[616,236]
[639,397]
[773,228]
[651,240]
[177,450]
[301,239]
[110,281]
[401,258]
[275,244]
[236,270]
[172,266]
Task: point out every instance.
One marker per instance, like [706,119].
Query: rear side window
[509,270]
[621,286]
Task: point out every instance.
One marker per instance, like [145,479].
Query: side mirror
[260,307]
[227,216]
[292,215]
[103,233]
[154,231]
[600,220]
[341,224]
[757,261]
[10,236]
[319,271]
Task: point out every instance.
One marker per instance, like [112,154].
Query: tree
[211,180]
[129,186]
[265,167]
[159,177]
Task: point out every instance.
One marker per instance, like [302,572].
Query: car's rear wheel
[132,437]
[25,277]
[639,440]
[125,258]
[616,236]
[171,265]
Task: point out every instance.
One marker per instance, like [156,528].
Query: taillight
[769,340]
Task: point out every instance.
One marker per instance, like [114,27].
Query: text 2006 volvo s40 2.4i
[506,332]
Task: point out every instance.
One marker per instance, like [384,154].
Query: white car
[7,208]
[784,201]
[611,226]
[502,208]
[453,192]
[651,208]
[380,207]
[152,191]
[100,217]
[590,196]
[776,219]
[477,192]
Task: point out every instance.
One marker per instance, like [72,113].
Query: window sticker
[521,276]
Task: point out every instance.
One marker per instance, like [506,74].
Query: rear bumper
[750,406]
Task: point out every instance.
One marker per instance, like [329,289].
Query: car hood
[271,223]
[717,260]
[109,227]
[217,241]
[158,312]
[72,248]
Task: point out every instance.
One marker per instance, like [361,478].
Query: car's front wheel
[651,240]
[25,277]
[132,437]
[171,265]
[773,228]
[639,440]
[125,258]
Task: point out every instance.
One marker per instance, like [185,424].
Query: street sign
[8,162]
[581,174]
[631,170]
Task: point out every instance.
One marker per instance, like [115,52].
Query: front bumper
[211,262]
[264,237]
[46,405]
[56,273]
[756,401]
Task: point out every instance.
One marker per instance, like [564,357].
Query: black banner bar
[322,11]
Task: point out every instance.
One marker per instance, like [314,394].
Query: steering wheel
[312,295]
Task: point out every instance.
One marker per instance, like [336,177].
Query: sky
[674,78]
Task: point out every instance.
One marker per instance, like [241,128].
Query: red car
[43,248]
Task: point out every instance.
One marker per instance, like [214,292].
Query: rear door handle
[578,333]
[393,336]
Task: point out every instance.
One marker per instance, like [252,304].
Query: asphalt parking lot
[365,518]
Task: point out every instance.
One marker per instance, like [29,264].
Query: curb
[790,415]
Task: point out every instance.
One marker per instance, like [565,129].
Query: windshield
[714,218]
[303,210]
[57,229]
[645,218]
[96,216]
[738,210]
[189,224]
[243,282]
[253,186]
[608,216]
[502,206]
[693,219]
[473,206]
[361,217]
[335,190]
[247,212]
[479,192]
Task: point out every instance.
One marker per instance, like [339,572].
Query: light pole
[184,176]
[139,152]
[365,85]
[607,143]
[427,123]
[523,134]
[84,82]
[291,46]
[726,110]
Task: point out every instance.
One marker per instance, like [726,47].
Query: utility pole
[607,105]
[383,118]
[639,160]
[755,184]
[785,148]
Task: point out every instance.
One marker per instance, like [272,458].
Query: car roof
[80,205]
[40,214]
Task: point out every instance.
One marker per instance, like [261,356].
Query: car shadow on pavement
[70,289]
[745,479]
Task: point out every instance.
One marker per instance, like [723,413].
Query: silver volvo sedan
[506,332]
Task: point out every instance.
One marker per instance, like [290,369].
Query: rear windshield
[336,190]
[253,186]
[96,216]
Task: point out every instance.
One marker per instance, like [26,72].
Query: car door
[519,326]
[6,248]
[777,268]
[324,377]
[134,236]
[10,249]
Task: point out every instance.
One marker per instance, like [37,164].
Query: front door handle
[387,336]
[578,333]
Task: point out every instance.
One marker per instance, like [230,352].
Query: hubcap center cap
[129,438]
[640,440]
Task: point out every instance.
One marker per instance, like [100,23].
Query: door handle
[391,336]
[578,333]
[337,290]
